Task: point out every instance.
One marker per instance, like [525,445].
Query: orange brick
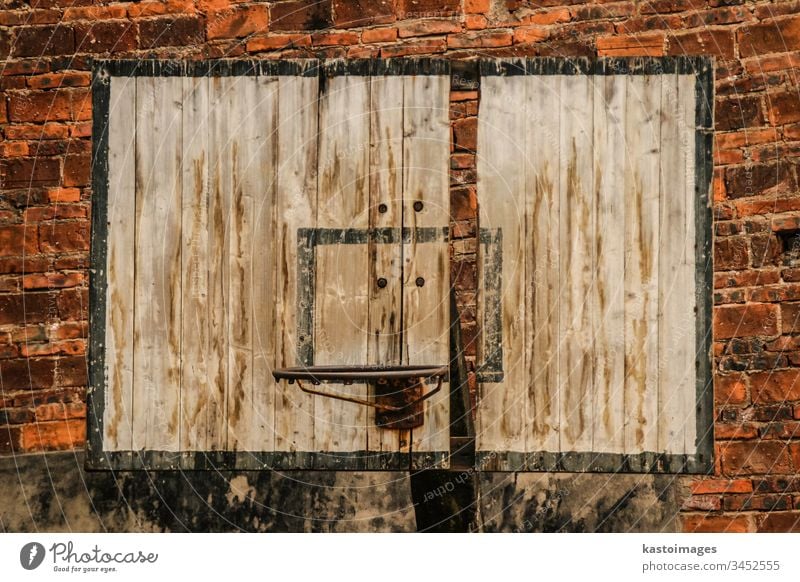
[701,523]
[277,42]
[379,35]
[730,389]
[13,149]
[237,22]
[65,348]
[651,44]
[549,17]
[158,8]
[37,132]
[755,319]
[64,195]
[428,27]
[477,6]
[707,486]
[94,12]
[61,79]
[529,34]
[53,436]
[52,280]
[475,22]
[334,38]
[487,39]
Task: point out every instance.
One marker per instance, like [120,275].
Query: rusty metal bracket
[398,390]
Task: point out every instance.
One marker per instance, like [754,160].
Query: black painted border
[702,461]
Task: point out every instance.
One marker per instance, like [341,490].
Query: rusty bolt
[420,281]
[382,282]
[418,205]
[382,208]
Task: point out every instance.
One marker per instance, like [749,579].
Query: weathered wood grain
[385,257]
[608,297]
[296,207]
[157,335]
[342,289]
[426,272]
[542,216]
[118,411]
[503,423]
[577,236]
[642,130]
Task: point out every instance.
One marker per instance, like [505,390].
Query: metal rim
[369,373]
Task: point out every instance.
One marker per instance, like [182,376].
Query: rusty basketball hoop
[398,390]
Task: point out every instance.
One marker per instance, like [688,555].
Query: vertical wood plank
[426,306]
[642,129]
[608,293]
[221,185]
[158,264]
[577,259]
[296,196]
[262,179]
[676,303]
[542,200]
[501,180]
[118,412]
[196,332]
[342,289]
[386,188]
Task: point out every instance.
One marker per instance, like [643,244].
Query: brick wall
[45,115]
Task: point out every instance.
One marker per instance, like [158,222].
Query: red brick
[237,22]
[746,278]
[171,31]
[67,330]
[779,522]
[746,137]
[730,15]
[477,6]
[67,348]
[352,13]
[277,42]
[759,179]
[334,38]
[38,373]
[38,41]
[301,15]
[52,280]
[428,27]
[755,457]
[59,411]
[465,134]
[95,12]
[694,523]
[783,108]
[420,47]
[13,149]
[705,42]
[488,39]
[53,436]
[37,132]
[757,502]
[77,170]
[28,307]
[379,35]
[55,212]
[64,195]
[16,240]
[160,7]
[775,386]
[731,253]
[730,390]
[73,303]
[778,36]
[707,486]
[64,236]
[745,320]
[530,34]
[60,105]
[105,37]
[475,22]
[80,130]
[650,44]
[463,203]
[548,17]
[60,79]
[428,8]
[23,17]
[790,317]
[738,112]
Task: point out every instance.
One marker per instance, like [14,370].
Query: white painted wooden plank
[118,413]
[542,200]
[342,289]
[426,307]
[502,184]
[220,192]
[196,332]
[609,292]
[296,202]
[642,130]
[386,200]
[263,170]
[576,268]
[158,264]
